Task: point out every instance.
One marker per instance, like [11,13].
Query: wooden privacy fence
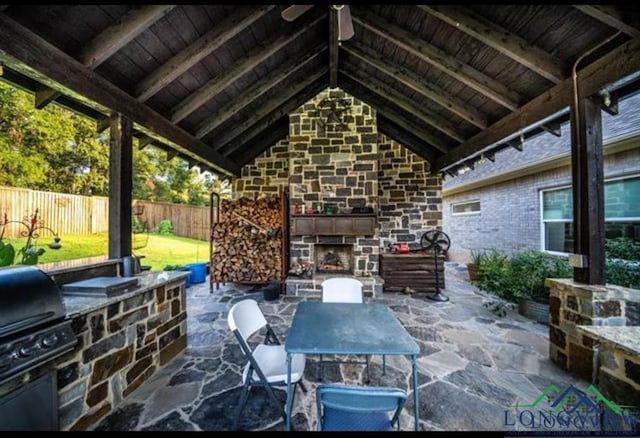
[76,214]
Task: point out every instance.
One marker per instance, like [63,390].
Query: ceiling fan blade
[345,25]
[294,11]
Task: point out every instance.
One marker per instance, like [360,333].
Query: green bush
[165,228]
[622,248]
[522,275]
[622,272]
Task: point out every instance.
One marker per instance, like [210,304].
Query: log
[247,241]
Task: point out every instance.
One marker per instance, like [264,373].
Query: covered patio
[473,366]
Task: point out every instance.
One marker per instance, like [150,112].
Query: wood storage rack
[249,240]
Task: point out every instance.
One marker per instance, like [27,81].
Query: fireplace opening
[334,259]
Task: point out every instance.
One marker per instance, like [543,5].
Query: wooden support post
[120,185]
[588,190]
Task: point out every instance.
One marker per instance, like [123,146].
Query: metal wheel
[435,240]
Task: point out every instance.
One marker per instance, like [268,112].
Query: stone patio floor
[473,366]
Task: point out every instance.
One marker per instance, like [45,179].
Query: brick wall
[509,219]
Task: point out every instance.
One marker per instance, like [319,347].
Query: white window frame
[466,213]
[543,221]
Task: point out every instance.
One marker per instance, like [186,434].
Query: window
[467,207]
[621,213]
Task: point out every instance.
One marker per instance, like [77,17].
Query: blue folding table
[348,328]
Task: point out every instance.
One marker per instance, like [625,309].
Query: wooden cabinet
[333,225]
[414,270]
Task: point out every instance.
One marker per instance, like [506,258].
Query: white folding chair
[341,290]
[267,362]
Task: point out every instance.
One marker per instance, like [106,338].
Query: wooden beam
[587,171]
[554,128]
[102,124]
[265,118]
[270,106]
[44,96]
[263,141]
[610,15]
[115,37]
[383,107]
[500,39]
[256,90]
[26,47]
[417,84]
[144,141]
[490,156]
[437,58]
[171,154]
[199,49]
[334,47]
[398,99]
[611,67]
[405,138]
[216,85]
[120,186]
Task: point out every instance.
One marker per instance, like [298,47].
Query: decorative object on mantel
[301,269]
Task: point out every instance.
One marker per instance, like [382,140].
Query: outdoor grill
[33,328]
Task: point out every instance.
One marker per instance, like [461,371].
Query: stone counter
[122,341]
[618,353]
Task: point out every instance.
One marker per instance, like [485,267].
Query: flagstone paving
[473,366]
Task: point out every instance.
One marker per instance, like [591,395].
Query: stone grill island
[122,340]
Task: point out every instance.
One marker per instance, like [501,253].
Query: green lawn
[159,250]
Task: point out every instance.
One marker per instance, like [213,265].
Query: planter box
[539,312]
[472,269]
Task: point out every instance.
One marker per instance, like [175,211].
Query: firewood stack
[247,241]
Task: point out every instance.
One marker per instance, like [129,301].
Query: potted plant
[477,256]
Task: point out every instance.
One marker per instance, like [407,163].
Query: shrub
[165,228]
[622,272]
[522,275]
[622,248]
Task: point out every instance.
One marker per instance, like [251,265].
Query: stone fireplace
[333,259]
[335,157]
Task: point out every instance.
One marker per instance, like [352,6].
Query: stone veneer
[119,347]
[573,304]
[349,164]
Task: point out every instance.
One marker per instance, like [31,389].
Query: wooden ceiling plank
[411,80]
[115,37]
[405,139]
[611,67]
[334,48]
[27,48]
[611,16]
[257,90]
[217,84]
[464,73]
[398,119]
[196,51]
[283,110]
[267,108]
[396,98]
[264,140]
[500,39]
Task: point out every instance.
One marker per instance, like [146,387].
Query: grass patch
[159,251]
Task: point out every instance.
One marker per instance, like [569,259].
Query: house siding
[509,218]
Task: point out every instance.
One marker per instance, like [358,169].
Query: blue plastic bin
[198,272]
[188,278]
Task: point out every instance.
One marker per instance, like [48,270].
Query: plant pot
[271,291]
[472,268]
[539,312]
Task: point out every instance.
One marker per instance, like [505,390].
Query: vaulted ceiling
[214,84]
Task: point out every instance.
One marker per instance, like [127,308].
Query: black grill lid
[28,298]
